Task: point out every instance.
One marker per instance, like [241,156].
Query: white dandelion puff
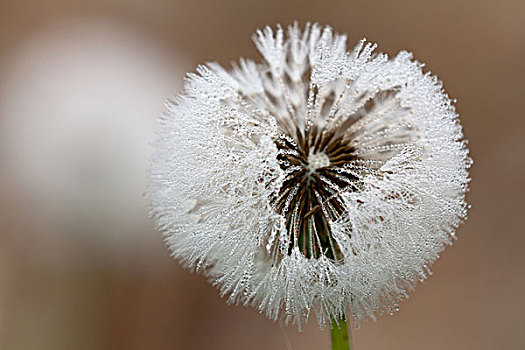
[319,181]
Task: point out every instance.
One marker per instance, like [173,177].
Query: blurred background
[81,85]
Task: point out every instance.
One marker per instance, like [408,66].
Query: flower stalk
[339,335]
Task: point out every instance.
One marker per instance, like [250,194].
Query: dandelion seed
[318,181]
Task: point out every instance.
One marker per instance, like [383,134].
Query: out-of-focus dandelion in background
[81,84]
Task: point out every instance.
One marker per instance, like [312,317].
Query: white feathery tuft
[319,180]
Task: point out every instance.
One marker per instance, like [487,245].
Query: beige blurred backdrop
[81,84]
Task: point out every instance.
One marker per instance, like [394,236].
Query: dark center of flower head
[321,161]
[309,197]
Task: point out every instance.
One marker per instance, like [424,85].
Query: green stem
[340,339]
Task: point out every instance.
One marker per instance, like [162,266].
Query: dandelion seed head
[319,180]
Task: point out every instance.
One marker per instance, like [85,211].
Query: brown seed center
[310,197]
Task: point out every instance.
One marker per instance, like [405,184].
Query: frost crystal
[318,181]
